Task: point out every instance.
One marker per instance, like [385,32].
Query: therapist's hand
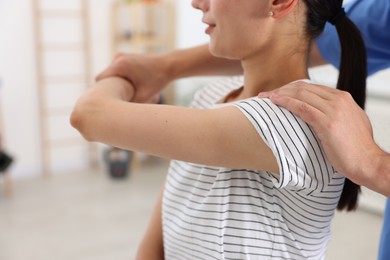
[146,72]
[342,126]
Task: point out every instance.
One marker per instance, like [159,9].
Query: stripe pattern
[220,213]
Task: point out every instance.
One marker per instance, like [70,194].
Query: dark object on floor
[5,161]
[118,162]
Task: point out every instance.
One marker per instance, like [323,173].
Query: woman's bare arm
[216,137]
[152,246]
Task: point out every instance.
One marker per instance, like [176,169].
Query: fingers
[313,103]
[116,68]
[317,105]
[104,74]
[301,87]
[310,114]
[299,93]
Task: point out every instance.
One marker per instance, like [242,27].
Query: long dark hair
[352,70]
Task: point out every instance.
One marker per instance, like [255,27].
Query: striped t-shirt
[220,213]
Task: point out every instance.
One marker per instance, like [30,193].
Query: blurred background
[64,198]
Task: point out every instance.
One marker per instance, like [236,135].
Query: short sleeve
[301,160]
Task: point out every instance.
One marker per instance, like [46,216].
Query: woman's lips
[209,29]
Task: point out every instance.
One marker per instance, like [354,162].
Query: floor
[87,215]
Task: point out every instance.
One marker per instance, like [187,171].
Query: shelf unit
[54,54]
[144,27]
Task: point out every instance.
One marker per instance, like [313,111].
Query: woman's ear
[282,7]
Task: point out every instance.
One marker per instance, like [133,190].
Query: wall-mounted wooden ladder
[63,66]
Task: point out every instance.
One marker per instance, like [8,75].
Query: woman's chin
[222,54]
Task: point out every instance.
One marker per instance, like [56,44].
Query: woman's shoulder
[296,147]
[266,107]
[211,93]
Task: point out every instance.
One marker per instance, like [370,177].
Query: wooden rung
[62,46]
[58,111]
[64,79]
[61,13]
[8,187]
[65,142]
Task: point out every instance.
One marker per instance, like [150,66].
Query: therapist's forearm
[315,57]
[371,169]
[198,61]
[379,178]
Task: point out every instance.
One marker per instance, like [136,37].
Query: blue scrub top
[372,17]
[384,246]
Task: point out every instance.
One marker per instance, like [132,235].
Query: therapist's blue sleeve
[372,17]
[384,247]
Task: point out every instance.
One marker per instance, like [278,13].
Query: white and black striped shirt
[219,213]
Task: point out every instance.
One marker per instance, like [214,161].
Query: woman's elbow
[79,119]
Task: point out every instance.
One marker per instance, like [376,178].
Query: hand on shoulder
[342,126]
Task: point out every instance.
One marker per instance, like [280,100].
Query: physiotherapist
[337,119]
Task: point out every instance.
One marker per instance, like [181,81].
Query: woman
[249,180]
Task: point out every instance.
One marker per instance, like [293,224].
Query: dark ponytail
[352,70]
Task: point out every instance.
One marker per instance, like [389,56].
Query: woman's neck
[264,74]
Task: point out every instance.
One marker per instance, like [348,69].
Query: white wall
[18,72]
[19,96]
[18,75]
[190,29]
